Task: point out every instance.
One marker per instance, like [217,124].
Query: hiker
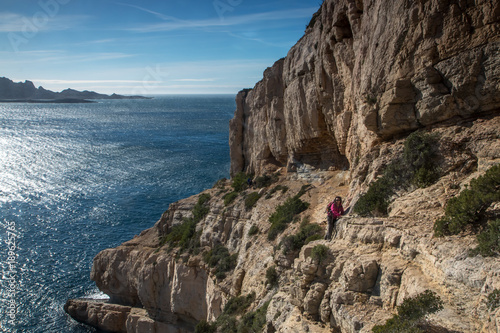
[334,211]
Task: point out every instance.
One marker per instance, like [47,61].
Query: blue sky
[148,47]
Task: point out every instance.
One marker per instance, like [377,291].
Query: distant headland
[26,92]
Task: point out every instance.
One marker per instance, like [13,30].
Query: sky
[148,47]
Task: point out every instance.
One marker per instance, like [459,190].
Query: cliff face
[364,72]
[332,115]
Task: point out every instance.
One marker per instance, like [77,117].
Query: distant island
[26,92]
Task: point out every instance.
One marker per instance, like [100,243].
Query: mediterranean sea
[79,178]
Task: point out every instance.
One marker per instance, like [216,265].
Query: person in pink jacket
[334,211]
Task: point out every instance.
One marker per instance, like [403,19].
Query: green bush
[411,313]
[319,252]
[220,258]
[254,322]
[493,300]
[419,157]
[277,188]
[229,198]
[253,230]
[239,181]
[251,200]
[265,181]
[285,213]
[272,276]
[307,233]
[184,235]
[469,207]
[489,240]
[237,305]
[417,166]
[204,327]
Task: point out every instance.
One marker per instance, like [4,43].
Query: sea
[79,178]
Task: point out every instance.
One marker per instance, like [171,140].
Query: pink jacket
[336,211]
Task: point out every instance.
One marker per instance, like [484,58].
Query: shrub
[469,207]
[254,321]
[281,188]
[419,156]
[220,258]
[200,210]
[411,313]
[417,167]
[251,200]
[307,233]
[184,235]
[493,300]
[239,181]
[253,230]
[265,181]
[205,327]
[237,305]
[489,240]
[220,184]
[229,198]
[285,213]
[271,276]
[319,252]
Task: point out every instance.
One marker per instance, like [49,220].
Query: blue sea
[78,178]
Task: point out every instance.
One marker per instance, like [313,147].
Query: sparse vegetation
[307,233]
[271,276]
[237,305]
[228,322]
[411,314]
[417,167]
[285,213]
[229,198]
[469,208]
[253,230]
[277,188]
[493,301]
[319,252]
[489,240]
[265,180]
[184,235]
[239,181]
[220,258]
[251,200]
[370,99]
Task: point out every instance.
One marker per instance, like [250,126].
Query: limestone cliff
[331,116]
[364,72]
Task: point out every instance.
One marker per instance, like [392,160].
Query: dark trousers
[331,225]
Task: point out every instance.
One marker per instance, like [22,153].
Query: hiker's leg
[330,228]
[334,225]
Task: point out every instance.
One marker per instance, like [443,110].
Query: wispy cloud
[193,80]
[13,22]
[172,23]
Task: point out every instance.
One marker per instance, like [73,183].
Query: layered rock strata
[366,71]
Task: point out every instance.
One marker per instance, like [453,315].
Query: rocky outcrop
[364,72]
[332,115]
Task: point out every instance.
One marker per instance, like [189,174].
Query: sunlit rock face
[332,115]
[367,71]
